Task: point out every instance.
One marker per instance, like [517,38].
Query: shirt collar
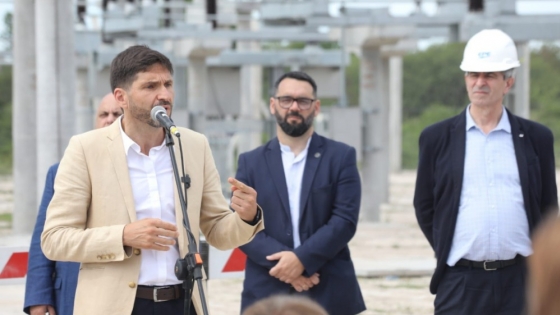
[286,149]
[129,143]
[503,124]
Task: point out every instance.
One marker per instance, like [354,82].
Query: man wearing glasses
[310,188]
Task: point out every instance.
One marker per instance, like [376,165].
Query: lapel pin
[317,155]
[520,135]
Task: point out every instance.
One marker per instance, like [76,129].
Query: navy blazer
[49,282]
[440,178]
[329,209]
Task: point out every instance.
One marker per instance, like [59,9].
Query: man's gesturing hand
[244,200]
[150,234]
[288,268]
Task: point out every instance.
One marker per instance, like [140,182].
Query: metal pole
[55,82]
[343,99]
[47,89]
[395,112]
[374,103]
[23,119]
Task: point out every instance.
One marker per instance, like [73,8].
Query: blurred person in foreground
[485,180]
[116,209]
[285,305]
[310,188]
[51,285]
[544,270]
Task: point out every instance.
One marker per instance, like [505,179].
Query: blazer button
[132,285]
[137,251]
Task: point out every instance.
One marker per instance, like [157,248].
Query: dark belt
[489,265]
[159,294]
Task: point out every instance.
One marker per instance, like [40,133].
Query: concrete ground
[393,261]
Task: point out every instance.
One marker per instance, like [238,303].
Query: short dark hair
[296,75]
[128,63]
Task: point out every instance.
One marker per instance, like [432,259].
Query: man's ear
[509,84]
[317,107]
[271,106]
[121,97]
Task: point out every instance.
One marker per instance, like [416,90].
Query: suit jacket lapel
[518,137]
[273,157]
[120,166]
[458,139]
[314,153]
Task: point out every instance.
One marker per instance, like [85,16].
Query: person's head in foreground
[285,305]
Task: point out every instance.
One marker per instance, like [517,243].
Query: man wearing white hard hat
[486,178]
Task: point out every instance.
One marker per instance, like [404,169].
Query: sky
[404,8]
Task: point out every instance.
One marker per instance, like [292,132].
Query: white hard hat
[489,51]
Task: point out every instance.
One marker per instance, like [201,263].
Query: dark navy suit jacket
[49,282]
[440,178]
[329,209]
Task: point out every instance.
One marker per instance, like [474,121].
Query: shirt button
[137,251]
[132,285]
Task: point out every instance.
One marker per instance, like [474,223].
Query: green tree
[8,31]
[353,81]
[433,76]
[545,90]
[5,119]
[412,127]
[6,103]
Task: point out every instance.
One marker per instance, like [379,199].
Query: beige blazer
[93,201]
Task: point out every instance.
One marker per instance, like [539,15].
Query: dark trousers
[472,291]
[149,307]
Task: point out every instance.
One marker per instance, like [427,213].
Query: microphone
[159,114]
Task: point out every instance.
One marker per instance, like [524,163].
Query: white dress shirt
[151,177]
[293,170]
[492,223]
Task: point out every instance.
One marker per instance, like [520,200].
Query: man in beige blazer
[116,208]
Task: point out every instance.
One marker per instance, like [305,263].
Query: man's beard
[144,115]
[296,129]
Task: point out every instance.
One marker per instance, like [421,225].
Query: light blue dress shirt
[492,223]
[293,170]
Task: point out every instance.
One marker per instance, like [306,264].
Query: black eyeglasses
[302,102]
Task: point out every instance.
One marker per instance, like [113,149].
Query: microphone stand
[188,269]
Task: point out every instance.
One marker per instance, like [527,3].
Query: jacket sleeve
[39,286]
[549,192]
[332,237]
[263,244]
[423,194]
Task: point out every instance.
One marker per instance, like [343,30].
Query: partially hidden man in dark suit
[485,180]
[51,285]
[310,188]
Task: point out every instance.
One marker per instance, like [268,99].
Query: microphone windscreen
[156,110]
